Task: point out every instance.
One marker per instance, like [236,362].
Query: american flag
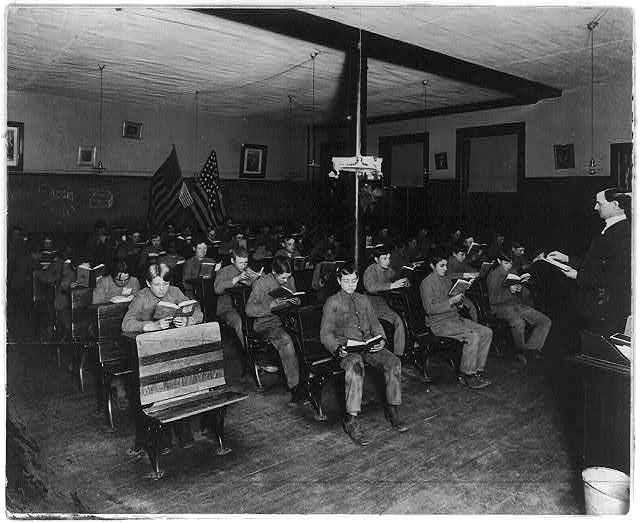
[165,192]
[208,205]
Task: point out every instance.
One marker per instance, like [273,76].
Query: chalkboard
[73,202]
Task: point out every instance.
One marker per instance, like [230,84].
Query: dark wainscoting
[74,201]
[556,212]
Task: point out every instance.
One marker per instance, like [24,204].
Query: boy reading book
[380,277]
[119,285]
[237,273]
[444,319]
[141,315]
[261,306]
[347,317]
[197,266]
[505,297]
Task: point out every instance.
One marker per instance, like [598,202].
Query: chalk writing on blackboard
[58,201]
[100,199]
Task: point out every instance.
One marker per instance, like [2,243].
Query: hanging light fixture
[313,163]
[100,167]
[593,167]
[425,171]
[291,99]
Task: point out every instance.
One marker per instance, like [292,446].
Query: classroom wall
[55,126]
[554,121]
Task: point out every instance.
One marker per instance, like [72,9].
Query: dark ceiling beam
[443,111]
[328,33]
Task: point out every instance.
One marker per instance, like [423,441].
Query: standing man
[603,277]
[349,315]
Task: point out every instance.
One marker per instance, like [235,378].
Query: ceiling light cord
[100,166]
[591,27]
[314,54]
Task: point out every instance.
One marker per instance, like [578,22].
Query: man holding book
[603,277]
[505,297]
[238,273]
[380,277]
[348,323]
[262,305]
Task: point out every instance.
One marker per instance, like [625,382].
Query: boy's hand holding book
[398,284]
[455,300]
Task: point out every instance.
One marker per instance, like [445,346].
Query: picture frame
[253,161]
[563,156]
[15,146]
[87,155]
[441,161]
[132,130]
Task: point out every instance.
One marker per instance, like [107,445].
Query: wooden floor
[499,450]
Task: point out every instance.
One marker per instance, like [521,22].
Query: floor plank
[497,451]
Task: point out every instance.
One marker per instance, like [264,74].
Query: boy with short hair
[379,277]
[349,315]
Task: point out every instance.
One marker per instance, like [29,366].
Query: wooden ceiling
[241,68]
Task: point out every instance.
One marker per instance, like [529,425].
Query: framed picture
[563,156]
[132,130]
[253,161]
[15,146]
[87,155]
[441,161]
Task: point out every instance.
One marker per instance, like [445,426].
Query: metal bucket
[606,491]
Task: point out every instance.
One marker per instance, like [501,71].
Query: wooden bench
[181,375]
[113,356]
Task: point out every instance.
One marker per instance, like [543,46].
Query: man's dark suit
[604,280]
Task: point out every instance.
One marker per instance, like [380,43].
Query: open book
[474,248]
[562,266]
[122,298]
[166,309]
[284,292]
[364,346]
[88,276]
[514,279]
[622,343]
[413,265]
[459,286]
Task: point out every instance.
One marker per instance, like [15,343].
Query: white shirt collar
[614,219]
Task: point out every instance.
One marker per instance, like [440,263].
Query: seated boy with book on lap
[262,305]
[151,310]
[349,331]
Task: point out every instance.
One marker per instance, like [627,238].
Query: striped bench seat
[181,374]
